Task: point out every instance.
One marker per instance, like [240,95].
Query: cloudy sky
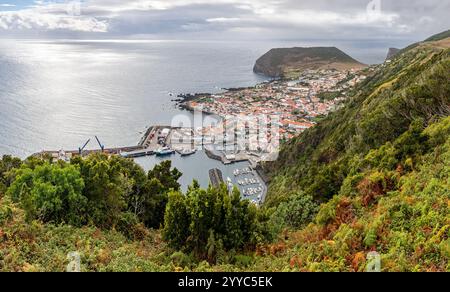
[400,20]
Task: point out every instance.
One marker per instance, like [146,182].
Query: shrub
[180,259]
[206,221]
[51,193]
[243,261]
[296,213]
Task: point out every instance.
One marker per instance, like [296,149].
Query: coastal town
[298,104]
[252,123]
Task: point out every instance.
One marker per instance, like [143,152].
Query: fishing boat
[165,151]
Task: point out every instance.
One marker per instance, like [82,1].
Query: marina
[161,143]
[252,186]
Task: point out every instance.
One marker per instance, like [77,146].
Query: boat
[187,152]
[164,151]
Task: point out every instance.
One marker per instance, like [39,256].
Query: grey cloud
[400,21]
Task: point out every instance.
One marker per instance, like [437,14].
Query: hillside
[290,62]
[414,86]
[382,157]
[439,36]
[371,177]
[402,214]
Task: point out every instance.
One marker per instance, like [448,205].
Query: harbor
[195,158]
[252,185]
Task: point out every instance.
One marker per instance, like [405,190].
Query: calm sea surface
[58,94]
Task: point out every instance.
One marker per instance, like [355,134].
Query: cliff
[289,62]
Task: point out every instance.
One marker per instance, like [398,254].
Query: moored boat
[188,152]
[164,151]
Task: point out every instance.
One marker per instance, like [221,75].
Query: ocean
[57,94]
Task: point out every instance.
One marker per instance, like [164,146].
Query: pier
[216,177]
[154,138]
[73,153]
[157,139]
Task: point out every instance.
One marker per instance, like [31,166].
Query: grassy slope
[385,183]
[415,85]
[402,214]
[438,37]
[44,247]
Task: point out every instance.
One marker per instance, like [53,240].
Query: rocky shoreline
[183,99]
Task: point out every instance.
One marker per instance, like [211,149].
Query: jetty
[216,177]
[155,137]
[166,140]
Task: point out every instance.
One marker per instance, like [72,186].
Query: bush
[126,224]
[296,213]
[243,261]
[7,164]
[6,211]
[180,259]
[206,222]
[116,185]
[51,193]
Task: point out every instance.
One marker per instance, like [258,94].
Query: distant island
[290,62]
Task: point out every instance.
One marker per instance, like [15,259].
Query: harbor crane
[100,144]
[80,150]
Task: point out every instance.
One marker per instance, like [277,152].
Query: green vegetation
[7,164]
[373,176]
[210,222]
[412,88]
[298,212]
[51,193]
[329,95]
[439,36]
[102,191]
[52,207]
[398,210]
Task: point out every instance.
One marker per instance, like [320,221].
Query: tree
[7,164]
[166,175]
[234,220]
[116,185]
[149,195]
[51,193]
[154,193]
[154,200]
[205,221]
[296,213]
[176,221]
[106,187]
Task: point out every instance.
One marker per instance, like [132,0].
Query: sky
[401,21]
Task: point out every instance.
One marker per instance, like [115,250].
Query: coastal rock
[392,53]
